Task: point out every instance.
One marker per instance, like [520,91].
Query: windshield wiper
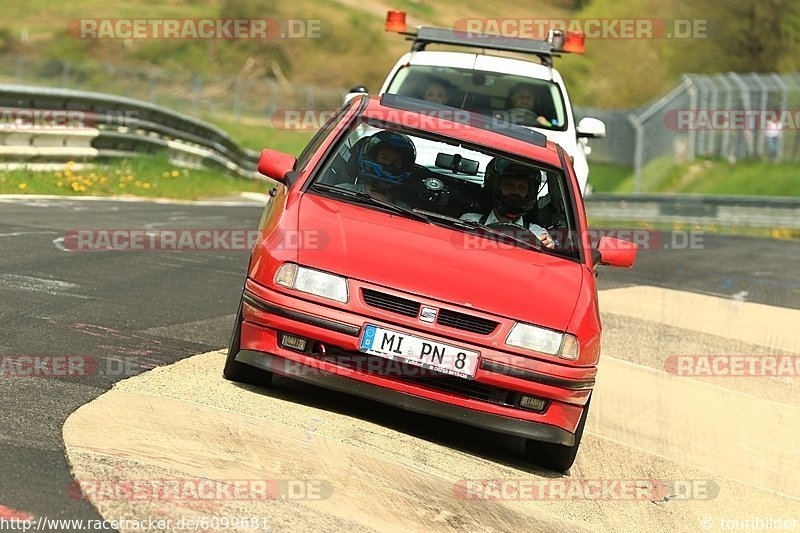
[431,217]
[478,226]
[366,198]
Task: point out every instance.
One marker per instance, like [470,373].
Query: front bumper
[410,402]
[269,313]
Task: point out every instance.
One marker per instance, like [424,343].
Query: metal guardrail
[742,211]
[112,127]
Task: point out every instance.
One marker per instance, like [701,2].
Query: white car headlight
[312,281]
[543,340]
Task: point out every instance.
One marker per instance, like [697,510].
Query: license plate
[444,358]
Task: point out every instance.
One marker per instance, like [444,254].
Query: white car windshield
[517,99]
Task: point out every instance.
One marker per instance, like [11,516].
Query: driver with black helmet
[514,190]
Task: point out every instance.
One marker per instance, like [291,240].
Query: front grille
[422,376]
[404,306]
[390,302]
[466,322]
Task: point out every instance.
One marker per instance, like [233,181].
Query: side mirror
[275,165]
[591,128]
[614,252]
[358,90]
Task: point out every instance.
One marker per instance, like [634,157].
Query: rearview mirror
[591,128]
[615,252]
[456,163]
[275,165]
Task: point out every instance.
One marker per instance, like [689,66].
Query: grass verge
[152,177]
[703,176]
[743,231]
[259,134]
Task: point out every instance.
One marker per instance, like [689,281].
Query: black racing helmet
[511,206]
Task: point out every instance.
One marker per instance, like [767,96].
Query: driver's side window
[344,167]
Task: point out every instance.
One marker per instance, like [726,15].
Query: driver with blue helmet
[385,161]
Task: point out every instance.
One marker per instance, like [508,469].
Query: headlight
[543,340]
[312,281]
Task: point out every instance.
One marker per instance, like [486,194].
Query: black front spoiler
[409,402]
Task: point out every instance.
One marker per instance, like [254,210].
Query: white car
[482,83]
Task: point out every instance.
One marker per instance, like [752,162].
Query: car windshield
[443,181]
[517,99]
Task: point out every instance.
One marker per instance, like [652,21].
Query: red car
[435,260]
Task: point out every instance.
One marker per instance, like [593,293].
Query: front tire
[236,371]
[557,457]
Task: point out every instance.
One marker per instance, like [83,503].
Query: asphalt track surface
[154,308]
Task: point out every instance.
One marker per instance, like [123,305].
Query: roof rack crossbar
[427,35]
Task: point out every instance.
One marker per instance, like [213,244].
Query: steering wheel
[526,117]
[518,232]
[522,116]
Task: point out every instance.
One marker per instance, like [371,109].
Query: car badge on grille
[428,314]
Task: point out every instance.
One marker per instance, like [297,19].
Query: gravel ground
[389,470]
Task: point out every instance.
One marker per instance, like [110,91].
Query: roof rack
[463,116]
[426,35]
[556,43]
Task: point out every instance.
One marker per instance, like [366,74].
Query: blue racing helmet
[370,168]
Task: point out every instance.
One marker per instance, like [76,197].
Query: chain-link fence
[225,97]
[731,116]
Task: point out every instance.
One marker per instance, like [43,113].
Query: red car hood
[438,262]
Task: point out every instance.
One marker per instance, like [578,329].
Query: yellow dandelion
[146,185]
[23,186]
[103,180]
[129,177]
[58,174]
[70,164]
[121,185]
[60,184]
[81,188]
[175,173]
